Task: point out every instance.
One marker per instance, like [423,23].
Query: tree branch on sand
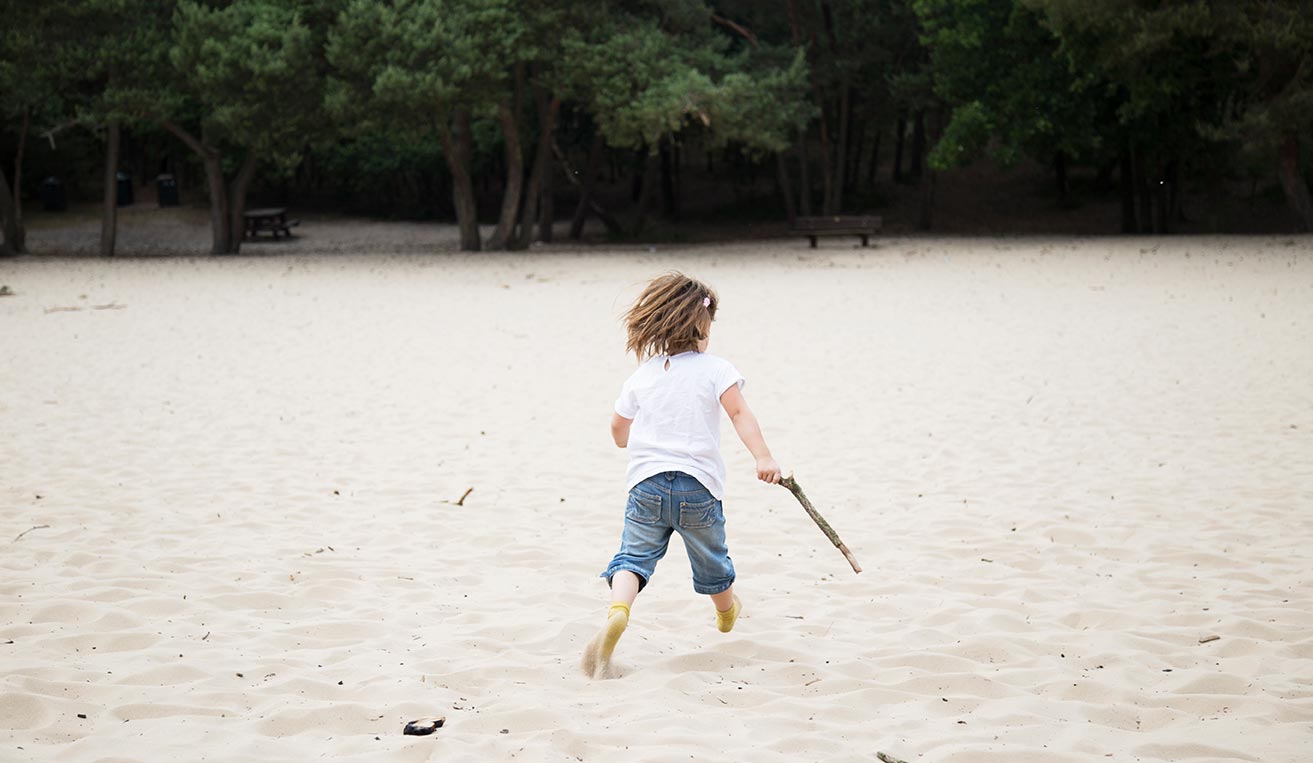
[796,489]
[25,532]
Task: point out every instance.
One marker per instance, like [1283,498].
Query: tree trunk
[237,201]
[457,146]
[1103,181]
[786,187]
[827,168]
[586,190]
[833,159]
[841,151]
[1176,199]
[928,201]
[1162,197]
[508,115]
[858,156]
[668,206]
[646,194]
[7,247]
[547,213]
[874,166]
[1292,181]
[918,146]
[640,167]
[542,163]
[1060,175]
[510,204]
[1145,213]
[678,153]
[932,179]
[20,243]
[900,130]
[804,171]
[804,175]
[1127,183]
[221,232]
[109,214]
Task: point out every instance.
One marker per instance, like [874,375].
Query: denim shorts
[672,502]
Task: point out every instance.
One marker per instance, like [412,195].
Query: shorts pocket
[697,515]
[643,508]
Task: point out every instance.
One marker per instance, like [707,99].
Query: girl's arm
[620,429]
[749,431]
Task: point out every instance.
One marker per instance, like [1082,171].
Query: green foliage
[42,57]
[1269,48]
[1009,84]
[410,62]
[380,172]
[1157,62]
[760,105]
[251,68]
[642,82]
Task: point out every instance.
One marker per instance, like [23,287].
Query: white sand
[1061,462]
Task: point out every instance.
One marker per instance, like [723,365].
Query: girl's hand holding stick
[794,488]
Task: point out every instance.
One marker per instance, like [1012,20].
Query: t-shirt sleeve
[727,376]
[627,404]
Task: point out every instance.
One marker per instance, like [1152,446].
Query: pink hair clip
[706,301]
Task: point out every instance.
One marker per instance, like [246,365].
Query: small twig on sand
[25,532]
[1206,639]
[463,496]
[793,487]
[888,758]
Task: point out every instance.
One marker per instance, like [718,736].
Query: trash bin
[124,189]
[52,195]
[166,190]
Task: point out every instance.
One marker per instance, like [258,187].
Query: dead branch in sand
[25,532]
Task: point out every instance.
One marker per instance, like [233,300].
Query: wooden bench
[272,220]
[838,225]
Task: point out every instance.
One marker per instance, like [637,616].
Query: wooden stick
[25,532]
[463,496]
[888,758]
[796,489]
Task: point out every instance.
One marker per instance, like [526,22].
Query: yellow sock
[725,620]
[617,619]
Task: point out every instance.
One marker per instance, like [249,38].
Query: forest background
[656,115]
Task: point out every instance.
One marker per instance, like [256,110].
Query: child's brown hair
[671,316]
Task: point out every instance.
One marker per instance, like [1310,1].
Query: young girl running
[668,416]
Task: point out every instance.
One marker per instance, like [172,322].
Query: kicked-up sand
[1078,474]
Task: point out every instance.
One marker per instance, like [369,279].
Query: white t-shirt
[676,413]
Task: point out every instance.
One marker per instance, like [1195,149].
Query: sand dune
[229,526]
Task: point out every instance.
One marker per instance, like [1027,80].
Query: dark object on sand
[123,189]
[424,726]
[788,482]
[52,195]
[166,190]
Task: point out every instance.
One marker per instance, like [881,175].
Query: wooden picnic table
[268,220]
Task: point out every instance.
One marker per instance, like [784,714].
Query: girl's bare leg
[727,609]
[624,588]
